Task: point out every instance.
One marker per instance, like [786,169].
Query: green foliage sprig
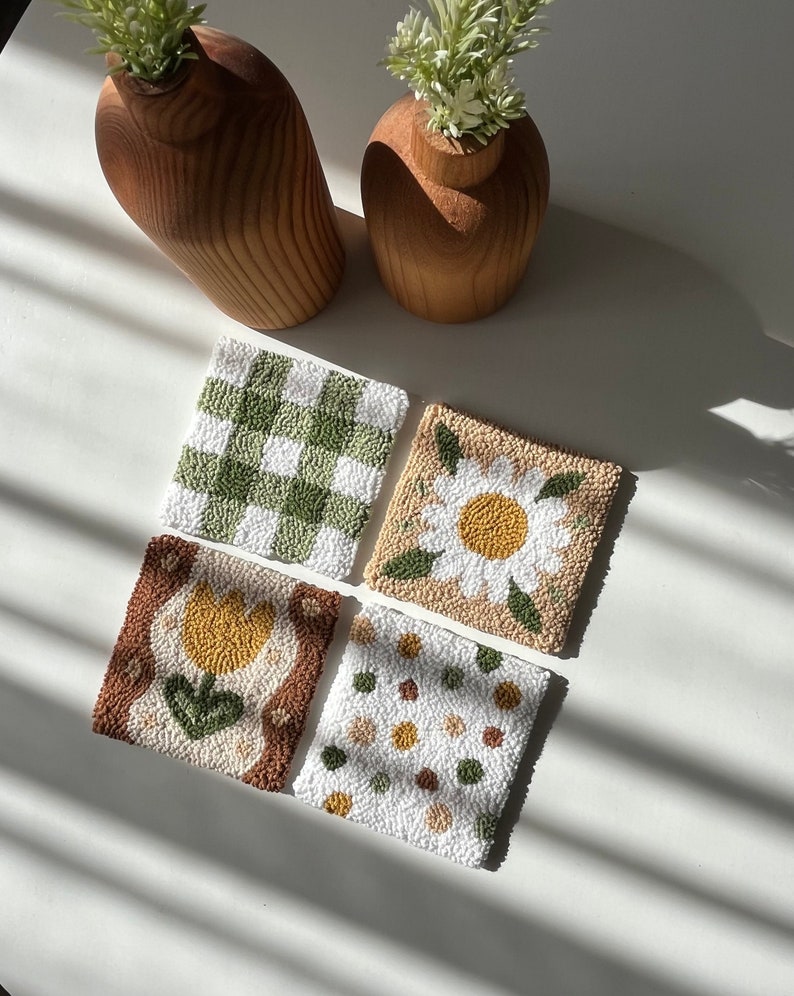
[145,34]
[458,57]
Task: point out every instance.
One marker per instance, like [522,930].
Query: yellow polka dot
[493,525]
[438,818]
[362,631]
[362,731]
[409,646]
[506,696]
[338,803]
[454,725]
[404,736]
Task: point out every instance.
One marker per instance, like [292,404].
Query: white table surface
[653,852]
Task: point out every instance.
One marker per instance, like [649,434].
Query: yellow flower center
[493,525]
[218,636]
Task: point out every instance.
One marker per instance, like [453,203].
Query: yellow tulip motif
[218,636]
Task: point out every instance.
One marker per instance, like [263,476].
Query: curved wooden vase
[218,167]
[452,223]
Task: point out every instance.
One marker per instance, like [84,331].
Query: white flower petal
[501,473]
[434,541]
[530,483]
[498,584]
[470,579]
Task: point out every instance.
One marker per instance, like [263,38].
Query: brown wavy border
[313,613]
[166,568]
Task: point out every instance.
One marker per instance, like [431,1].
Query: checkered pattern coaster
[493,529]
[284,457]
[217,662]
[421,734]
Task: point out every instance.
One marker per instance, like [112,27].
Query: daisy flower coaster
[493,529]
[217,662]
[421,734]
[284,457]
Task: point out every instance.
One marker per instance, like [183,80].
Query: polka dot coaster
[217,662]
[284,457]
[493,529]
[421,734]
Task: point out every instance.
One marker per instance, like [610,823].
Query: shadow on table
[614,345]
[308,856]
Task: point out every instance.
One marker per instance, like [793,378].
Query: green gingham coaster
[284,457]
[421,734]
[217,662]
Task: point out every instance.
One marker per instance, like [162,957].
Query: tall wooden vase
[217,166]
[452,223]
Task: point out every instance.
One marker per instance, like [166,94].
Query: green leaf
[409,565]
[559,485]
[204,712]
[449,451]
[523,609]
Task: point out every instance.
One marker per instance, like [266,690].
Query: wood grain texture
[452,224]
[218,167]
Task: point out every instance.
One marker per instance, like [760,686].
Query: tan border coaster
[217,662]
[493,529]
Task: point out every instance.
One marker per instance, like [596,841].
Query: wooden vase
[452,223]
[216,164]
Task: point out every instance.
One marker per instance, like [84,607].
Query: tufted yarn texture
[421,734]
[284,457]
[217,662]
[493,529]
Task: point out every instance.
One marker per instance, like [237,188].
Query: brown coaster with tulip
[217,662]
[493,529]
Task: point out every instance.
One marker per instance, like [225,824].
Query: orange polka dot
[362,731]
[409,646]
[492,736]
[506,695]
[438,818]
[453,725]
[338,803]
[362,631]
[404,736]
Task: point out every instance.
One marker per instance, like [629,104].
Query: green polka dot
[380,783]
[469,771]
[333,757]
[485,826]
[488,659]
[452,678]
[364,681]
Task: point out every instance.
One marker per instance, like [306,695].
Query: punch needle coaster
[284,457]
[493,529]
[421,734]
[217,662]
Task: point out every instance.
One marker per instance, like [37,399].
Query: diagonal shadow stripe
[220,821]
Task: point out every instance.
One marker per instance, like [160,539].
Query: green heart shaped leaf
[448,447]
[203,712]
[523,609]
[559,485]
[409,565]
